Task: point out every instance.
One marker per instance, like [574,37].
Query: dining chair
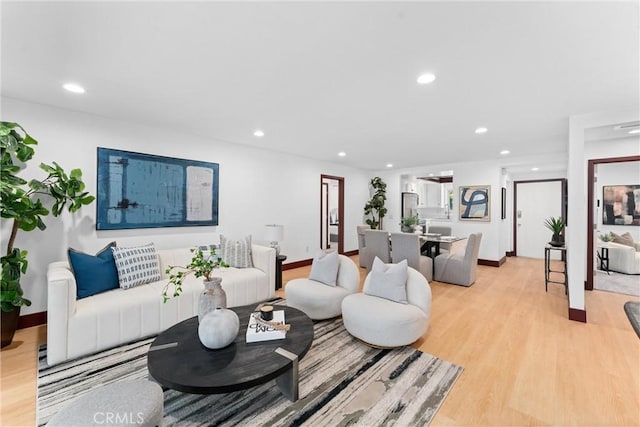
[407,246]
[363,256]
[459,268]
[376,245]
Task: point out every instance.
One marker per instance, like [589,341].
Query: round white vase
[218,328]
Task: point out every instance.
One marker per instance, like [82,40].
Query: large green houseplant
[375,207]
[23,204]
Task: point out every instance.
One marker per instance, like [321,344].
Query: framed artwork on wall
[474,203]
[137,190]
[621,204]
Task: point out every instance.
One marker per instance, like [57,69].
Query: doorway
[592,213]
[534,202]
[332,212]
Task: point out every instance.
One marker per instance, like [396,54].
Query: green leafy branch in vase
[200,266]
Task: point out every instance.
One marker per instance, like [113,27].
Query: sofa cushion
[137,265]
[236,253]
[94,273]
[625,239]
[324,268]
[388,281]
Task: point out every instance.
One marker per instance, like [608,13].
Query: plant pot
[212,297]
[9,322]
[218,328]
[557,240]
[406,229]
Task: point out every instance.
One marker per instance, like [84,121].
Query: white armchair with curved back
[321,301]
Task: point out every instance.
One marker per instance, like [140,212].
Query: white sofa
[624,258]
[80,327]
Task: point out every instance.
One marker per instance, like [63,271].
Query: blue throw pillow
[94,273]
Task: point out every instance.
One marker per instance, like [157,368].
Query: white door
[536,202]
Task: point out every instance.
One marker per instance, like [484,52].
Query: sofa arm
[61,304]
[264,258]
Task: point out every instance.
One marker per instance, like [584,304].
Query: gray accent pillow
[324,268]
[388,281]
[236,253]
[625,239]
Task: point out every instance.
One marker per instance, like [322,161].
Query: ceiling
[320,78]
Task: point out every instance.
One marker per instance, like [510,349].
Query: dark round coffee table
[178,360]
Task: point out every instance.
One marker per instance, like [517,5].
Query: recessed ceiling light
[635,131]
[430,174]
[481,130]
[72,87]
[425,79]
[342,154]
[389,165]
[258,133]
[535,169]
[505,152]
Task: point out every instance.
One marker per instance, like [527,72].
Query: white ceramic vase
[218,328]
[212,297]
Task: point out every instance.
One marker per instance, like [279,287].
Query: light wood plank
[524,362]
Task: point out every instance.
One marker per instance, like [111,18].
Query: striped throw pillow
[236,253]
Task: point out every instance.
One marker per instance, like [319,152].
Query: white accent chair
[363,256]
[320,301]
[376,245]
[384,323]
[407,246]
[459,269]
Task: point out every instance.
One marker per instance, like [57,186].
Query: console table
[548,270]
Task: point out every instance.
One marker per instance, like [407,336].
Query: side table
[547,266]
[279,260]
[603,257]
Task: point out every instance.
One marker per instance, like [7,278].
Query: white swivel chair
[383,323]
[407,246]
[363,255]
[320,301]
[459,269]
[376,245]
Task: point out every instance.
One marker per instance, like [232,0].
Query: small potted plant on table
[556,225]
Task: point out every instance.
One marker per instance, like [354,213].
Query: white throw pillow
[236,253]
[388,281]
[324,268]
[136,265]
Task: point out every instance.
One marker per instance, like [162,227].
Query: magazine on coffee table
[257,331]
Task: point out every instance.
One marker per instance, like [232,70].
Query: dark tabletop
[192,368]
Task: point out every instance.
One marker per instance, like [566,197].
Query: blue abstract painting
[475,202]
[138,190]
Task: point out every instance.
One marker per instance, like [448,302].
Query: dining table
[430,243]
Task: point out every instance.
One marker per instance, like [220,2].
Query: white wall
[579,154]
[616,174]
[257,187]
[493,246]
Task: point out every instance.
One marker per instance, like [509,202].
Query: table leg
[546,268]
[288,382]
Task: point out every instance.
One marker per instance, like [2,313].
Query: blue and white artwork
[138,190]
[475,203]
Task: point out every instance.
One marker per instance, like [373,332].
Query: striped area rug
[342,382]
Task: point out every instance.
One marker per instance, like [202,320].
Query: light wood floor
[524,362]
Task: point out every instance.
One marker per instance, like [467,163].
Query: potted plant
[201,265]
[556,225]
[23,206]
[408,223]
[375,206]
